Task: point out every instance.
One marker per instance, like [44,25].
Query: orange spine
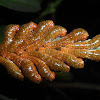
[91,44]
[41,29]
[75,35]
[20,36]
[43,69]
[12,69]
[28,68]
[9,33]
[83,53]
[53,63]
[70,59]
[48,37]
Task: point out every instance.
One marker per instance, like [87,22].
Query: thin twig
[75,85]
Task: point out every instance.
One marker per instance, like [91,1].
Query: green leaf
[98,48]
[51,8]
[22,5]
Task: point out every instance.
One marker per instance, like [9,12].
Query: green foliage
[64,76]
[22,5]
[51,8]
[98,48]
[30,5]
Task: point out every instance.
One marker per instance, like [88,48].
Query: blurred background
[78,83]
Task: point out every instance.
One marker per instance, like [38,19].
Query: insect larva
[91,44]
[75,35]
[12,69]
[28,68]
[83,53]
[25,41]
[20,36]
[70,59]
[9,33]
[53,63]
[42,27]
[43,69]
[48,37]
[53,33]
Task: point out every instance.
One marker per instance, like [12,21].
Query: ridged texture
[74,36]
[28,68]
[83,53]
[9,33]
[43,69]
[53,63]
[38,32]
[12,69]
[68,58]
[30,52]
[48,37]
[91,44]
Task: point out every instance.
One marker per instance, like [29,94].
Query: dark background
[79,83]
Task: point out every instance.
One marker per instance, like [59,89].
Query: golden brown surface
[43,69]
[83,53]
[48,37]
[28,51]
[9,33]
[91,44]
[53,63]
[68,58]
[74,36]
[12,69]
[28,68]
